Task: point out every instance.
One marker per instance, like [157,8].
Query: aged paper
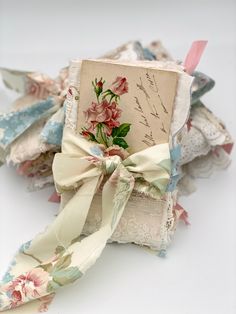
[147,103]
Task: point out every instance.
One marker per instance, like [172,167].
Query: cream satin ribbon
[59,255]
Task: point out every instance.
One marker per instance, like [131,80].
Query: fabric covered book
[134,133]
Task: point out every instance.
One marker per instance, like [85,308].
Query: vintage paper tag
[131,103]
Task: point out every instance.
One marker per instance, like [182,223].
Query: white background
[199,274]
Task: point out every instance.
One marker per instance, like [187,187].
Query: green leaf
[66,276]
[114,132]
[52,286]
[63,262]
[92,137]
[120,142]
[122,130]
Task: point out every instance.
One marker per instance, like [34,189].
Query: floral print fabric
[59,256]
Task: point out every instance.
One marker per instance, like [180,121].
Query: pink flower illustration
[106,113]
[31,285]
[120,86]
[98,86]
[102,117]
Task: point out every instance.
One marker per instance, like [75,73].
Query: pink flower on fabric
[16,296]
[120,86]
[28,286]
[41,86]
[106,113]
[116,150]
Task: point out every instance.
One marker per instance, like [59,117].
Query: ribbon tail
[14,79]
[45,263]
[34,307]
[15,123]
[194,55]
[115,195]
[58,255]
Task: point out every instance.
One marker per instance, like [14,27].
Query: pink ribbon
[194,55]
[183,213]
[23,167]
[54,198]
[228,147]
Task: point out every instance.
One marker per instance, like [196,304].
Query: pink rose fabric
[116,150]
[28,286]
[106,113]
[41,86]
[120,86]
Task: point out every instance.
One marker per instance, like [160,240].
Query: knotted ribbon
[59,255]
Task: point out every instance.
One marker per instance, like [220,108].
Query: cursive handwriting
[154,87]
[138,107]
[163,128]
[147,96]
[143,89]
[144,121]
[148,139]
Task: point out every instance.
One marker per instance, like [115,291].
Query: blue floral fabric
[13,124]
[53,129]
[175,154]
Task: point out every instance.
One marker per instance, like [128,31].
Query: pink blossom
[41,86]
[16,295]
[120,86]
[106,113]
[100,84]
[30,285]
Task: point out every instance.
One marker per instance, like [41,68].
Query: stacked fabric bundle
[31,133]
[132,140]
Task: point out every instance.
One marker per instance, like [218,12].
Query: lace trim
[206,131]
[145,221]
[29,145]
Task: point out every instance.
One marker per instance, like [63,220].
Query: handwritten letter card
[140,95]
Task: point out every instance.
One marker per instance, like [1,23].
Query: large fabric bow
[59,255]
